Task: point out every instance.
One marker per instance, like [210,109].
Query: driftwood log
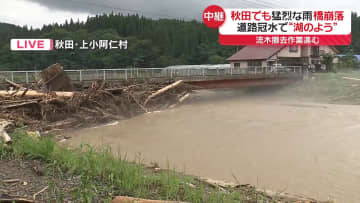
[33,93]
[185,97]
[162,90]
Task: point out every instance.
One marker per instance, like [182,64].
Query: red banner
[285,40]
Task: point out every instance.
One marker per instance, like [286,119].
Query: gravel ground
[21,179]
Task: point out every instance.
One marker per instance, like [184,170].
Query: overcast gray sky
[38,12]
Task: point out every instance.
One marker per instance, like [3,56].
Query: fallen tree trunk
[33,93]
[162,90]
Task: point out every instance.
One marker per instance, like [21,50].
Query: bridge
[205,77]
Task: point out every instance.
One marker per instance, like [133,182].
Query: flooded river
[277,143]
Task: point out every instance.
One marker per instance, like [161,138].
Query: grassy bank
[101,176]
[327,87]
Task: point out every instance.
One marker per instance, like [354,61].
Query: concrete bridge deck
[202,77]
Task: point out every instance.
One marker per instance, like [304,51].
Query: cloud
[21,13]
[185,9]
[39,12]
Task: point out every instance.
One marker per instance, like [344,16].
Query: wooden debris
[185,97]
[54,78]
[11,181]
[125,199]
[215,184]
[115,90]
[36,194]
[19,104]
[14,92]
[3,133]
[24,93]
[17,200]
[33,93]
[138,103]
[99,103]
[14,84]
[181,100]
[6,137]
[162,90]
[4,191]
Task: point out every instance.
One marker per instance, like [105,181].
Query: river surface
[272,142]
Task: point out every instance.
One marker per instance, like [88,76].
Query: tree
[327,59]
[151,43]
[216,59]
[348,61]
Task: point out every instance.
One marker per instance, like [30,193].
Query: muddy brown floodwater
[272,142]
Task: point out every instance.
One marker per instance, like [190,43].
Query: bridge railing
[166,73]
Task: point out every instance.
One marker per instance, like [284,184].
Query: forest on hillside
[151,43]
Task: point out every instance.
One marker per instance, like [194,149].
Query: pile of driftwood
[45,110]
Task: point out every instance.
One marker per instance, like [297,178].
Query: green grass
[327,87]
[103,176]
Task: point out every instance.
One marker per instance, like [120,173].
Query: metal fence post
[80,76]
[104,76]
[12,76]
[126,77]
[27,77]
